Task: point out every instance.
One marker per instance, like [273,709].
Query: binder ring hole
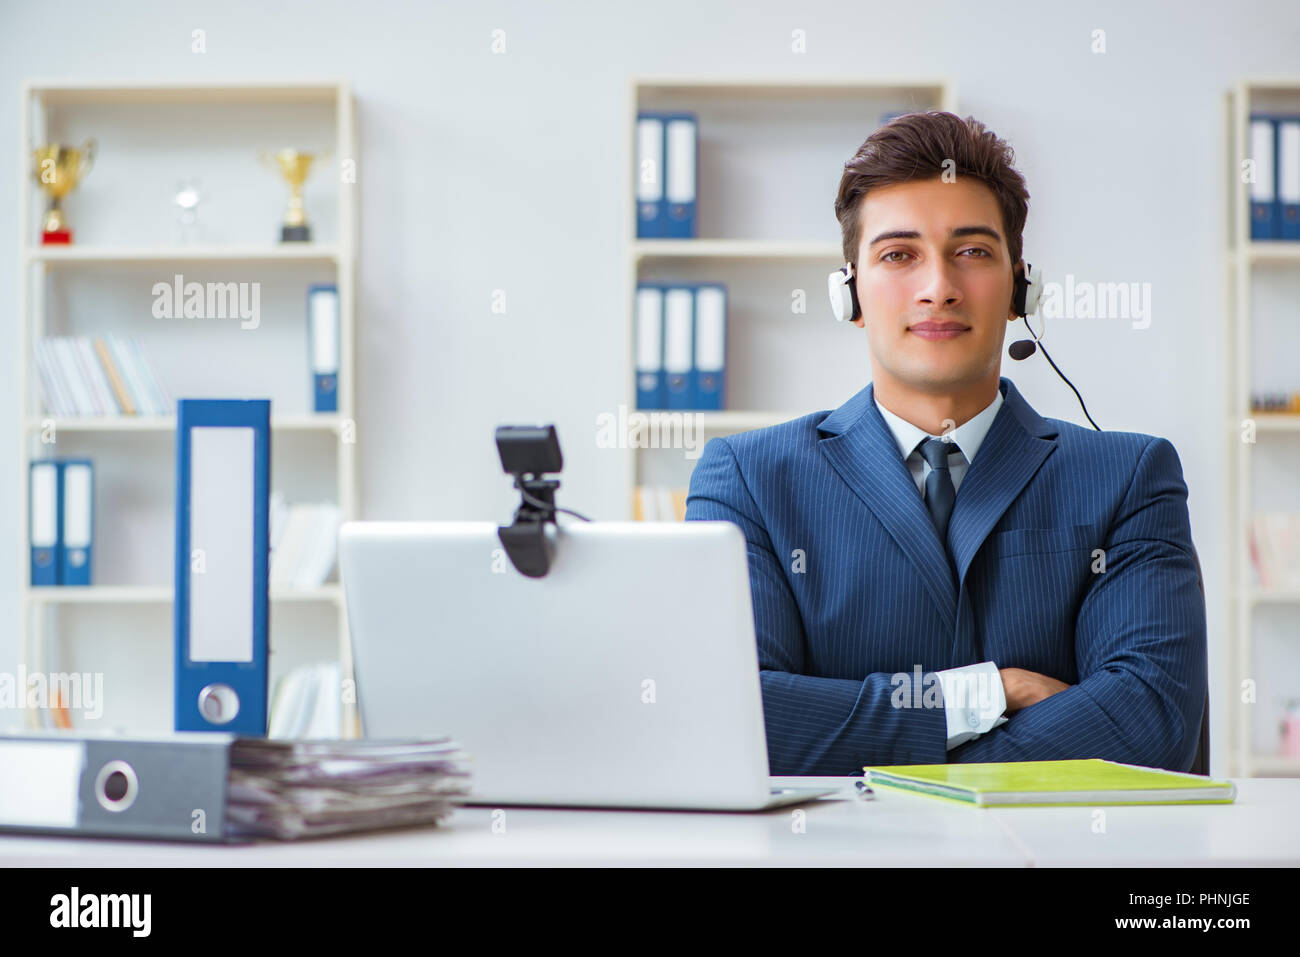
[218,703]
[116,786]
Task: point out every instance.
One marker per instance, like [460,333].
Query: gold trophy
[58,169]
[294,166]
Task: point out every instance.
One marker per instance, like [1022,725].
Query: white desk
[896,829]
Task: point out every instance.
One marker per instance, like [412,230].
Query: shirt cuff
[973,700]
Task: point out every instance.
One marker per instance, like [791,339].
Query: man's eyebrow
[955,233]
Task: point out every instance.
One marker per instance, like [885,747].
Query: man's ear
[859,322]
[1017,271]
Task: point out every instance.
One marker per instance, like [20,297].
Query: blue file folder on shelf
[61,521]
[651,387]
[77,520]
[323,343]
[1288,177]
[679,346]
[43,505]
[681,174]
[651,210]
[1263,188]
[223,473]
[709,377]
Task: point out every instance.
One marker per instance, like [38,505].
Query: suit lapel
[1017,444]
[862,450]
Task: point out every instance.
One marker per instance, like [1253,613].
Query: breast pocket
[1042,541]
[1029,585]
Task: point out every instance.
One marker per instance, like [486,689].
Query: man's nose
[938,284]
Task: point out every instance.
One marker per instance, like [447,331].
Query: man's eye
[976,249]
[895,252]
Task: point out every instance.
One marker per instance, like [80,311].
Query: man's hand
[1024,688]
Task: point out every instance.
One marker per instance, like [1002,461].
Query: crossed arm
[1139,643]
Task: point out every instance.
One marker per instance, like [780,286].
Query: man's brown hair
[915,146]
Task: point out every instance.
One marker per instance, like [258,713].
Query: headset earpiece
[844,294]
[1028,291]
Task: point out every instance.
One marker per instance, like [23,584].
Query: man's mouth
[933,329]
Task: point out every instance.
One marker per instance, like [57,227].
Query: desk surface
[895,829]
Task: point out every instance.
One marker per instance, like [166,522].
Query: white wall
[482,172]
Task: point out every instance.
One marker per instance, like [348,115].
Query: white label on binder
[324,331]
[681,161]
[649,153]
[677,334]
[1288,152]
[42,783]
[649,329]
[45,505]
[710,328]
[221,524]
[76,506]
[1261,151]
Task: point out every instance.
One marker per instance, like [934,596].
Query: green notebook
[1052,783]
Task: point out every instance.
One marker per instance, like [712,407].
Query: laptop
[627,677]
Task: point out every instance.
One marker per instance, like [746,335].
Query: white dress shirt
[974,699]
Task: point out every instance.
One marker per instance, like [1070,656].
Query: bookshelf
[771,152]
[1262,283]
[151,136]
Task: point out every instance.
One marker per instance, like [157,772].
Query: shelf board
[288,252]
[731,420]
[1272,596]
[67,92]
[742,420]
[160,594]
[794,86]
[740,249]
[167,423]
[1274,250]
[1275,421]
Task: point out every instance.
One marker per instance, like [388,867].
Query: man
[1052,609]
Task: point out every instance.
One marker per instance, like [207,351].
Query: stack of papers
[293,789]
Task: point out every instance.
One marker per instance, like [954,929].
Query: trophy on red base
[58,169]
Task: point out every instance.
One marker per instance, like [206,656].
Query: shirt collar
[967,437]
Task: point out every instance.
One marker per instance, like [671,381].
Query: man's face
[932,251]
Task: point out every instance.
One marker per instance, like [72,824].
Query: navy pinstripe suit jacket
[850,586]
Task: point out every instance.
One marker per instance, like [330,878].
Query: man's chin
[941,378]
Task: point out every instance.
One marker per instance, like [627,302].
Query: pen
[864,792]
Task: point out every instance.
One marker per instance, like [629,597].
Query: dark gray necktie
[939,491]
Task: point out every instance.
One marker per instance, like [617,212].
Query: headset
[1028,293]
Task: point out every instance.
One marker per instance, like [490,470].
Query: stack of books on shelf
[1275,549]
[1275,402]
[304,541]
[100,377]
[308,703]
[659,503]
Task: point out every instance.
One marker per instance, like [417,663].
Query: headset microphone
[1028,294]
[1021,349]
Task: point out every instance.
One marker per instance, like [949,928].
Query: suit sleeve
[1140,643]
[815,725]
